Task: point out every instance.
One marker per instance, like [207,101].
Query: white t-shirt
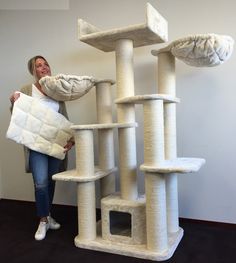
[47,101]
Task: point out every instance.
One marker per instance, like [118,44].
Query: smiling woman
[42,165]
[39,68]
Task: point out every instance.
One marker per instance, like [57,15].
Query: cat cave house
[143,226]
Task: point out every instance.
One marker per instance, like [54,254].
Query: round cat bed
[205,50]
[66,87]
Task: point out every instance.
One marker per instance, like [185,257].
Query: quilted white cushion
[66,87]
[38,127]
[204,50]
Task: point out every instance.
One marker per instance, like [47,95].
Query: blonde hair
[31,64]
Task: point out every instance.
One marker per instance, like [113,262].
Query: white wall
[206,114]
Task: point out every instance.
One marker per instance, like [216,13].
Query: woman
[41,165]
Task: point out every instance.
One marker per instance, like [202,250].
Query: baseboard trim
[181,219]
[207,222]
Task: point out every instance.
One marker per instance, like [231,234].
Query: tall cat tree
[143,226]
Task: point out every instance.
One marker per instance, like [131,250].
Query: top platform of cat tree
[153,31]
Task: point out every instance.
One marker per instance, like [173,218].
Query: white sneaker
[41,231]
[53,224]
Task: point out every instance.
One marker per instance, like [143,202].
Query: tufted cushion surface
[38,127]
[202,50]
[66,87]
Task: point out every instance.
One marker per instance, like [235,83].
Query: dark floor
[202,242]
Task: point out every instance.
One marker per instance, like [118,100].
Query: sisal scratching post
[166,85]
[126,114]
[104,101]
[155,183]
[153,132]
[156,212]
[86,190]
[105,137]
[106,160]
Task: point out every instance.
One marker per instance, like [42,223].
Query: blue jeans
[43,167]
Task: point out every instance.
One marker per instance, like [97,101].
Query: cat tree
[143,226]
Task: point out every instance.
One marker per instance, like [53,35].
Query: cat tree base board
[138,251]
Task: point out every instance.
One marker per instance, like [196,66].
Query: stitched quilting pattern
[39,127]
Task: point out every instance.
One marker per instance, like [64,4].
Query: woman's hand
[68,146]
[14,97]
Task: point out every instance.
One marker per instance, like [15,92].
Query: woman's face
[42,68]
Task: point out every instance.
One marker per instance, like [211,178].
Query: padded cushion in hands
[66,87]
[38,127]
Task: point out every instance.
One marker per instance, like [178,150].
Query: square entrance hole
[120,223]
